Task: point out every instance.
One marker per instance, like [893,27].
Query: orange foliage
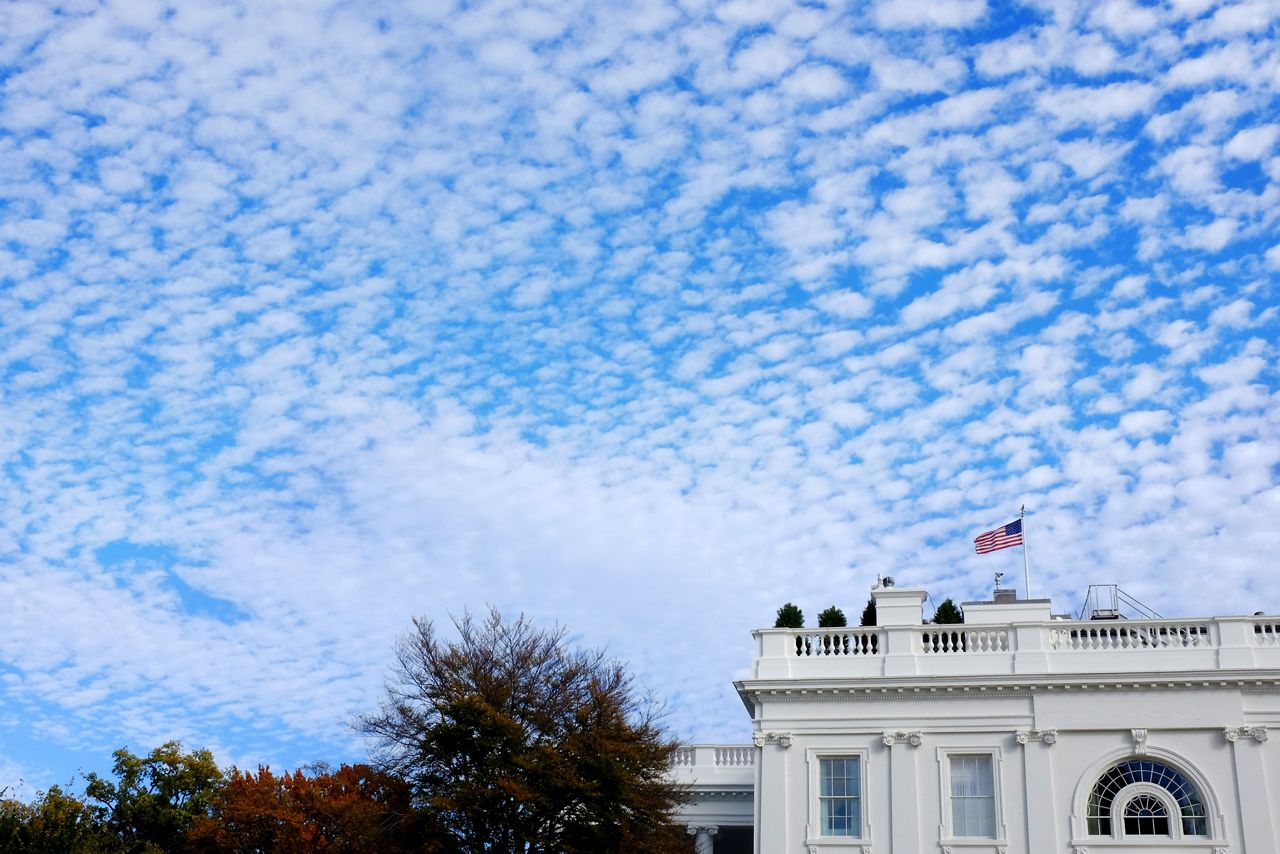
[355,808]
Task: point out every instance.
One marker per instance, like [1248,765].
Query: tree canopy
[512,741]
[869,613]
[155,799]
[948,613]
[832,618]
[354,809]
[789,617]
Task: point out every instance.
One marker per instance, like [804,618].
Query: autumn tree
[155,799]
[514,742]
[354,809]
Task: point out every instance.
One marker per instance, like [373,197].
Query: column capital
[914,738]
[1257,733]
[1047,736]
[782,739]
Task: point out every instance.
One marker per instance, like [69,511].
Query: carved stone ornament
[915,739]
[708,829]
[782,739]
[1139,742]
[1257,733]
[1048,736]
[1002,850]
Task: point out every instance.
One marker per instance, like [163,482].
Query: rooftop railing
[715,765]
[1055,646]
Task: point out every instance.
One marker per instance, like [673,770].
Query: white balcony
[1061,647]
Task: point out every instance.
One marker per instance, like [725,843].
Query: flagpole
[1026,563]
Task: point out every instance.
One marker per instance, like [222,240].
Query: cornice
[968,687]
[722,794]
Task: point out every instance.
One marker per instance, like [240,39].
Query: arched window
[1127,790]
[1145,815]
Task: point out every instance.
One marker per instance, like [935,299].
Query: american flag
[1003,537]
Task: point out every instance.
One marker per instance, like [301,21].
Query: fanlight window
[1144,814]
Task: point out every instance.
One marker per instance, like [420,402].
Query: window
[840,796]
[1134,791]
[1145,815]
[973,796]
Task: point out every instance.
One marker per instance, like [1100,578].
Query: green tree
[513,742]
[832,618]
[789,617]
[155,799]
[869,613]
[948,613]
[54,823]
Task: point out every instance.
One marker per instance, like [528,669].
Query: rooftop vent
[1001,595]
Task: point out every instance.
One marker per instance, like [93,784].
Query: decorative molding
[1139,741]
[708,829]
[782,739]
[1257,733]
[1000,849]
[913,738]
[1047,736]
[742,794]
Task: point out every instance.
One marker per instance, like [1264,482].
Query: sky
[640,318]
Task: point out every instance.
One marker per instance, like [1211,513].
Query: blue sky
[643,318]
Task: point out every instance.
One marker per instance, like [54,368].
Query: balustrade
[1145,635]
[842,642]
[973,640]
[1061,646]
[736,756]
[1267,632]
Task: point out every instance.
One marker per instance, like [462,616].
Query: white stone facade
[1014,732]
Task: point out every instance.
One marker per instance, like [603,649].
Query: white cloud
[345,317]
[814,83]
[929,13]
[1253,143]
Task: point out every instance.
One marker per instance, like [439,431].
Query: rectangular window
[840,796]
[973,796]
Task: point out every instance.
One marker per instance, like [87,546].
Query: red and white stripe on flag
[1003,537]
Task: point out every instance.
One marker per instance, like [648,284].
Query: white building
[1015,732]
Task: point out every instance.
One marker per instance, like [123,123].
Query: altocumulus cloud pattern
[643,317]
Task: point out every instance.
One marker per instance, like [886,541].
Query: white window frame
[813,833]
[946,834]
[1162,795]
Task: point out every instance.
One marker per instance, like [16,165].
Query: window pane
[839,808]
[973,803]
[1183,792]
